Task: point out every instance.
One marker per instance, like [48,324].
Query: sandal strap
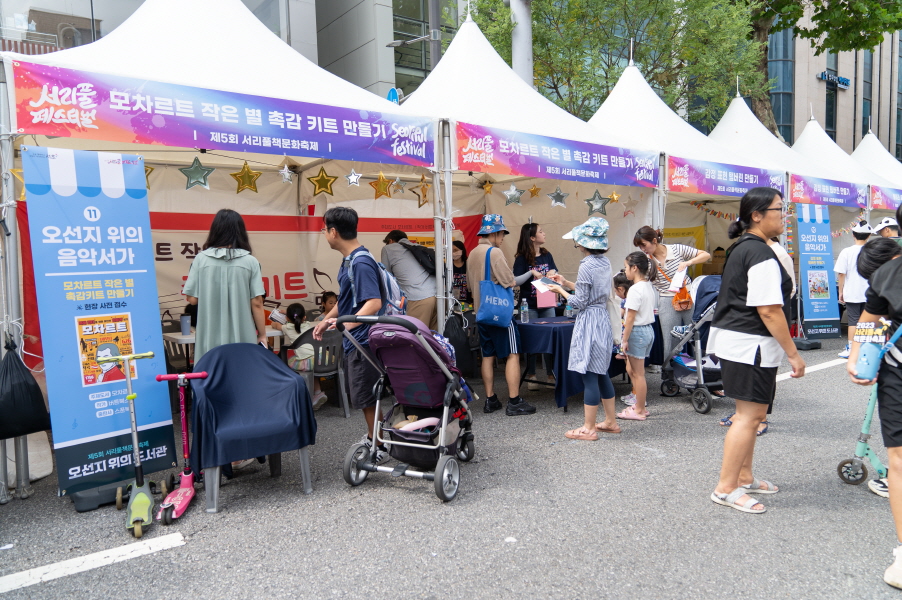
[734,496]
[760,484]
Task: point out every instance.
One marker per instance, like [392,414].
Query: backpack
[425,256]
[394,301]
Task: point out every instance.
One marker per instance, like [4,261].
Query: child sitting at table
[301,358]
[328,302]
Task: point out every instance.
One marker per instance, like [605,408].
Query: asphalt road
[537,516]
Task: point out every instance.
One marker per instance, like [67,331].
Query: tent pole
[659,206]
[447,247]
[439,230]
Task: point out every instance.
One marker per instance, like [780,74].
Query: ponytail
[646,266]
[647,234]
[296,315]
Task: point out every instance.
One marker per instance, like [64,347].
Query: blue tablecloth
[552,336]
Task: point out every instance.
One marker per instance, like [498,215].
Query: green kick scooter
[139,512]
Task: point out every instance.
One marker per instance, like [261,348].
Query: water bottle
[568,311]
[524,311]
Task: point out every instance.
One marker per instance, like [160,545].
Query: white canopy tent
[452,91]
[633,110]
[230,53]
[871,154]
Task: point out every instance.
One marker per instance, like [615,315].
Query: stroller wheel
[447,478]
[701,400]
[467,450]
[669,389]
[352,473]
[851,474]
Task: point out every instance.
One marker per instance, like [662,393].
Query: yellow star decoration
[614,197]
[534,191]
[147,172]
[322,183]
[246,178]
[382,186]
[17,173]
[423,194]
[487,186]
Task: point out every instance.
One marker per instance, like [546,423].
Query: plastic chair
[249,405]
[328,361]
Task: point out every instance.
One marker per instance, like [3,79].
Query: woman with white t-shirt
[750,334]
[638,334]
[669,260]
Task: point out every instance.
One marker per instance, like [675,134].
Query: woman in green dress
[226,284]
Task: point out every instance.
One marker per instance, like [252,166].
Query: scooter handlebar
[120,358]
[174,376]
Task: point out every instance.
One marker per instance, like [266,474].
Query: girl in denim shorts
[638,334]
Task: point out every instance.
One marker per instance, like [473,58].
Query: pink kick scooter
[178,500]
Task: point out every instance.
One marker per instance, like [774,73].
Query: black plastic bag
[21,401]
[456,334]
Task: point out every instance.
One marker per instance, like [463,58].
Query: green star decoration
[513,195]
[197,174]
[558,197]
[597,203]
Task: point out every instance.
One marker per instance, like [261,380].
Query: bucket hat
[592,234]
[492,224]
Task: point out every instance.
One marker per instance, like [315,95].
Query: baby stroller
[428,428]
[681,369]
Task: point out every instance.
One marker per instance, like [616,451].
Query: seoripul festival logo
[409,140]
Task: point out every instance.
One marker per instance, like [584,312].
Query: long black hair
[875,254]
[641,261]
[757,199]
[228,231]
[460,246]
[296,315]
[647,234]
[525,247]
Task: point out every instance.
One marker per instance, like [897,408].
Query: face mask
[457,255]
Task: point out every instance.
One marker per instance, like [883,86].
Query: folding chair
[328,361]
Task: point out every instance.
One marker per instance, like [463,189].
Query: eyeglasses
[325,229]
[782,208]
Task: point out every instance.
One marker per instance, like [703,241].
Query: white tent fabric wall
[556,221]
[871,154]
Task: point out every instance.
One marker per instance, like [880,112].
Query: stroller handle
[174,376]
[387,320]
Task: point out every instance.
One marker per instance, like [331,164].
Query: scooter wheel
[136,530]
[851,474]
[118,498]
[166,518]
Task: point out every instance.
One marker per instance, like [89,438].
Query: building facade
[849,93]
[41,26]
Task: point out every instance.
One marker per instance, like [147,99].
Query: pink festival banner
[65,103]
[718,179]
[883,198]
[827,192]
[490,150]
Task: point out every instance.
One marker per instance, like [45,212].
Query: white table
[177,337]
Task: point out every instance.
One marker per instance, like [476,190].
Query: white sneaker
[893,574]
[532,386]
[381,455]
[629,399]
[653,369]
[319,399]
[845,353]
[879,487]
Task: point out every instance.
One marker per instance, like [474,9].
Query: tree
[690,51]
[834,27]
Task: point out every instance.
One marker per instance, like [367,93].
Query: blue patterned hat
[492,224]
[592,234]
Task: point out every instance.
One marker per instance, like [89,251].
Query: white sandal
[732,500]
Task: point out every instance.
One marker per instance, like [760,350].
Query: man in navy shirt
[340,229]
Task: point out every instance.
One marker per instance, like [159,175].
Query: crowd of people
[750,333]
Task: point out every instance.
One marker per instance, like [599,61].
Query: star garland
[285,172]
[17,173]
[848,228]
[246,178]
[486,185]
[422,195]
[629,205]
[197,174]
[398,186]
[382,186]
[322,183]
[353,178]
[513,195]
[534,191]
[147,172]
[597,203]
[558,197]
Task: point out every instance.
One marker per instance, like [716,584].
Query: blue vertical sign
[817,282]
[97,296]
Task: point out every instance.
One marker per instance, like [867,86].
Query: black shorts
[362,377]
[752,383]
[499,341]
[889,404]
[853,312]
